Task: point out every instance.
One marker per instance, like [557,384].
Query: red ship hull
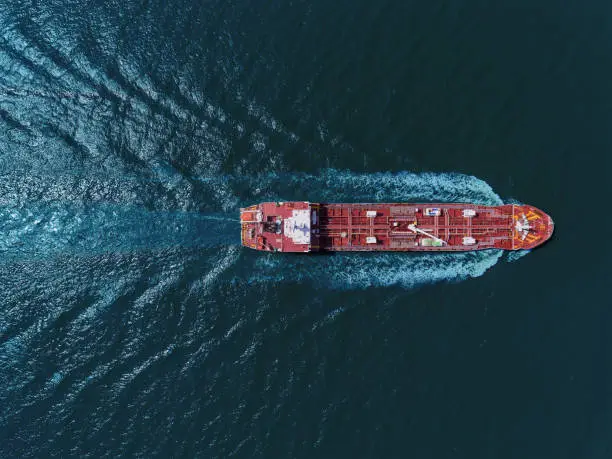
[315,227]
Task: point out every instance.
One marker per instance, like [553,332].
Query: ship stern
[250,217]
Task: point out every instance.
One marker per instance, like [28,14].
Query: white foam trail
[515,255]
[363,270]
[58,228]
[331,185]
[54,227]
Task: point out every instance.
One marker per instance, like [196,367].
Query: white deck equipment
[297,227]
[417,230]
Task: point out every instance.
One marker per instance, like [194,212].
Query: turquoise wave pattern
[47,216]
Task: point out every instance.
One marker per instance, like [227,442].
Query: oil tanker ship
[301,226]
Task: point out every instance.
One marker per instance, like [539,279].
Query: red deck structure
[311,227]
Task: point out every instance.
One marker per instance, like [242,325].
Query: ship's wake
[63,224]
[51,229]
[331,185]
[363,270]
[165,154]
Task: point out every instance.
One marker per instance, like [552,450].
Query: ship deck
[307,227]
[347,227]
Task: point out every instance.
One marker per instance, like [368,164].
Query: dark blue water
[132,324]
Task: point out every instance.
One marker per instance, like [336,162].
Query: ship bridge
[278,226]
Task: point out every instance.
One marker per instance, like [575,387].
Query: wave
[363,270]
[44,230]
[152,198]
[53,227]
[332,185]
